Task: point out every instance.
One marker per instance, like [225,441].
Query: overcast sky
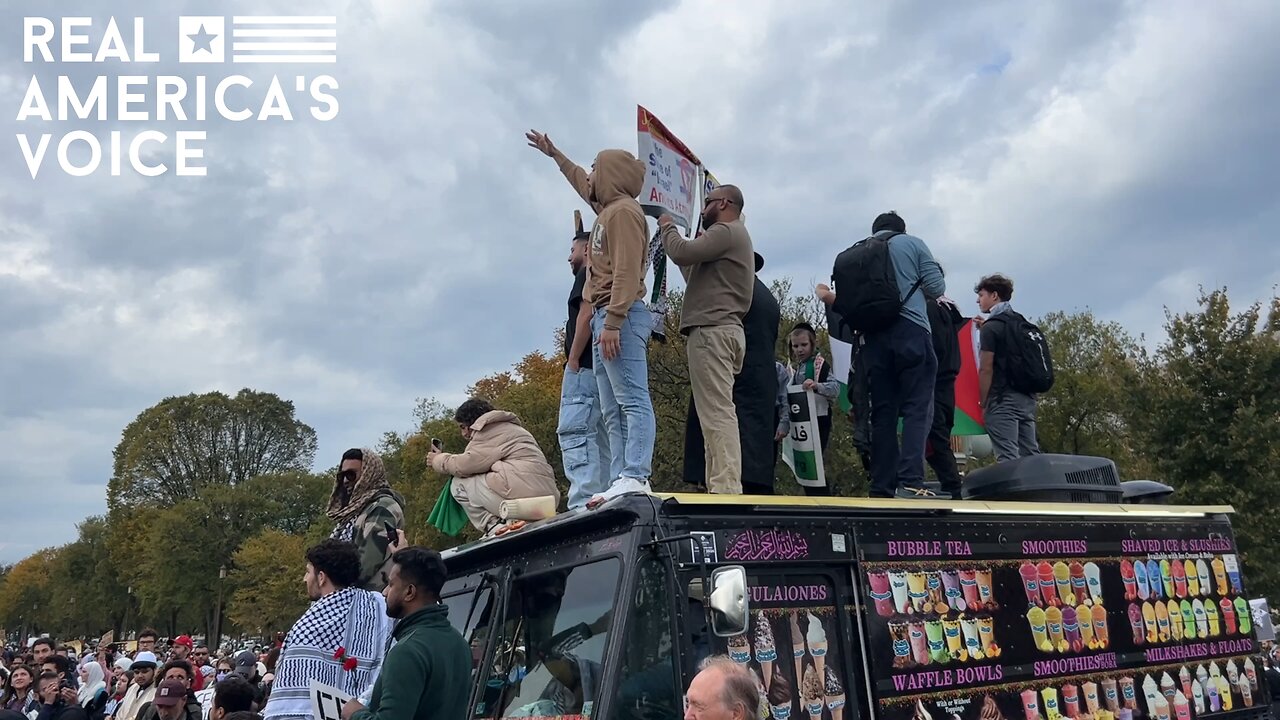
[1109,155]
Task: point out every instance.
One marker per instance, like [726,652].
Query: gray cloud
[1106,155]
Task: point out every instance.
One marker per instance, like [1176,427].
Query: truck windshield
[550,647]
[475,628]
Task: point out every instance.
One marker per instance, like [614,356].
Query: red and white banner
[671,172]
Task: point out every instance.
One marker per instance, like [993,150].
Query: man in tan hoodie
[620,322]
[502,462]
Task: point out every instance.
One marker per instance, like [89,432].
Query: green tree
[25,601]
[178,447]
[1096,369]
[1209,419]
[87,585]
[269,594]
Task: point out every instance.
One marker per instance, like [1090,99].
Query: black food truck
[859,608]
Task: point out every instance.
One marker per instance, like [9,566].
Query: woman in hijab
[93,690]
[366,511]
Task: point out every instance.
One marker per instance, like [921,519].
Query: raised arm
[576,176]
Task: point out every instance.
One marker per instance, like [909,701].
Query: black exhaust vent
[1047,478]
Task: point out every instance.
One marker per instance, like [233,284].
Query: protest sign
[327,701]
[672,176]
[802,448]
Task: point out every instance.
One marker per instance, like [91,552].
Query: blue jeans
[901,369]
[584,441]
[624,394]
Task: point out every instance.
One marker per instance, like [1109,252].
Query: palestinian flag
[968,420]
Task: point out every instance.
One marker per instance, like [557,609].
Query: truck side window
[550,650]
[476,631]
[647,685]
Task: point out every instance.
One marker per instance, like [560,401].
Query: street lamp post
[217,611]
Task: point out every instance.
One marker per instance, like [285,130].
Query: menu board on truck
[1041,621]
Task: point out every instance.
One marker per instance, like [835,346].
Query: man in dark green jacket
[427,672]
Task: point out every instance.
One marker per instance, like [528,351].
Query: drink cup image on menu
[1166,577]
[1090,690]
[1202,621]
[1198,697]
[987,637]
[1050,697]
[969,586]
[1062,580]
[834,694]
[1233,672]
[1202,575]
[1149,621]
[1048,587]
[1175,619]
[972,642]
[1084,616]
[1110,695]
[1128,696]
[1071,700]
[937,601]
[898,638]
[1031,705]
[1128,577]
[1150,691]
[986,594]
[1071,629]
[1211,618]
[919,646]
[1100,626]
[1188,620]
[1167,686]
[1193,578]
[917,590]
[1233,573]
[1093,581]
[1079,586]
[1251,674]
[955,641]
[1162,621]
[1224,692]
[881,595]
[951,587]
[1153,579]
[1179,571]
[1246,692]
[1184,680]
[1140,576]
[1220,575]
[898,586]
[1228,615]
[1053,621]
[1039,629]
[1031,583]
[1162,709]
[1243,616]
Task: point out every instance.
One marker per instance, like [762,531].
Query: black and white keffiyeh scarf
[340,641]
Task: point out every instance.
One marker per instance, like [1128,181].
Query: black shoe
[916,493]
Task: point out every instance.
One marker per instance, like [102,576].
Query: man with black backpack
[1013,367]
[882,285]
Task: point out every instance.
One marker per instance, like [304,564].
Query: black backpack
[867,293]
[1028,362]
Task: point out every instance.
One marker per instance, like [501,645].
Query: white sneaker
[621,486]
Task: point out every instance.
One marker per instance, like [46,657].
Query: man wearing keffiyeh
[340,640]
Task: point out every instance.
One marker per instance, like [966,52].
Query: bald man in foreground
[722,690]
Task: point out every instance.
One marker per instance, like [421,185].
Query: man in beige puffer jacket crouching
[502,462]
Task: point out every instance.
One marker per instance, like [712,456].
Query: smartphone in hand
[435,443]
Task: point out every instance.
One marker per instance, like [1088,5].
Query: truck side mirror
[729,601]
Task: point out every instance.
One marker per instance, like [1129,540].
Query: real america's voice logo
[205,44]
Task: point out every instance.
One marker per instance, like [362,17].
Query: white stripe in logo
[284,39]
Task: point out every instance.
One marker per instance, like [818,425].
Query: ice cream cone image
[740,649]
[1053,621]
[797,642]
[816,638]
[766,651]
[1162,622]
[780,696]
[1149,620]
[1175,619]
[811,693]
[1085,616]
[921,713]
[1062,579]
[1093,581]
[1038,621]
[834,694]
[762,713]
[990,711]
[1220,575]
[1100,626]
[1193,578]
